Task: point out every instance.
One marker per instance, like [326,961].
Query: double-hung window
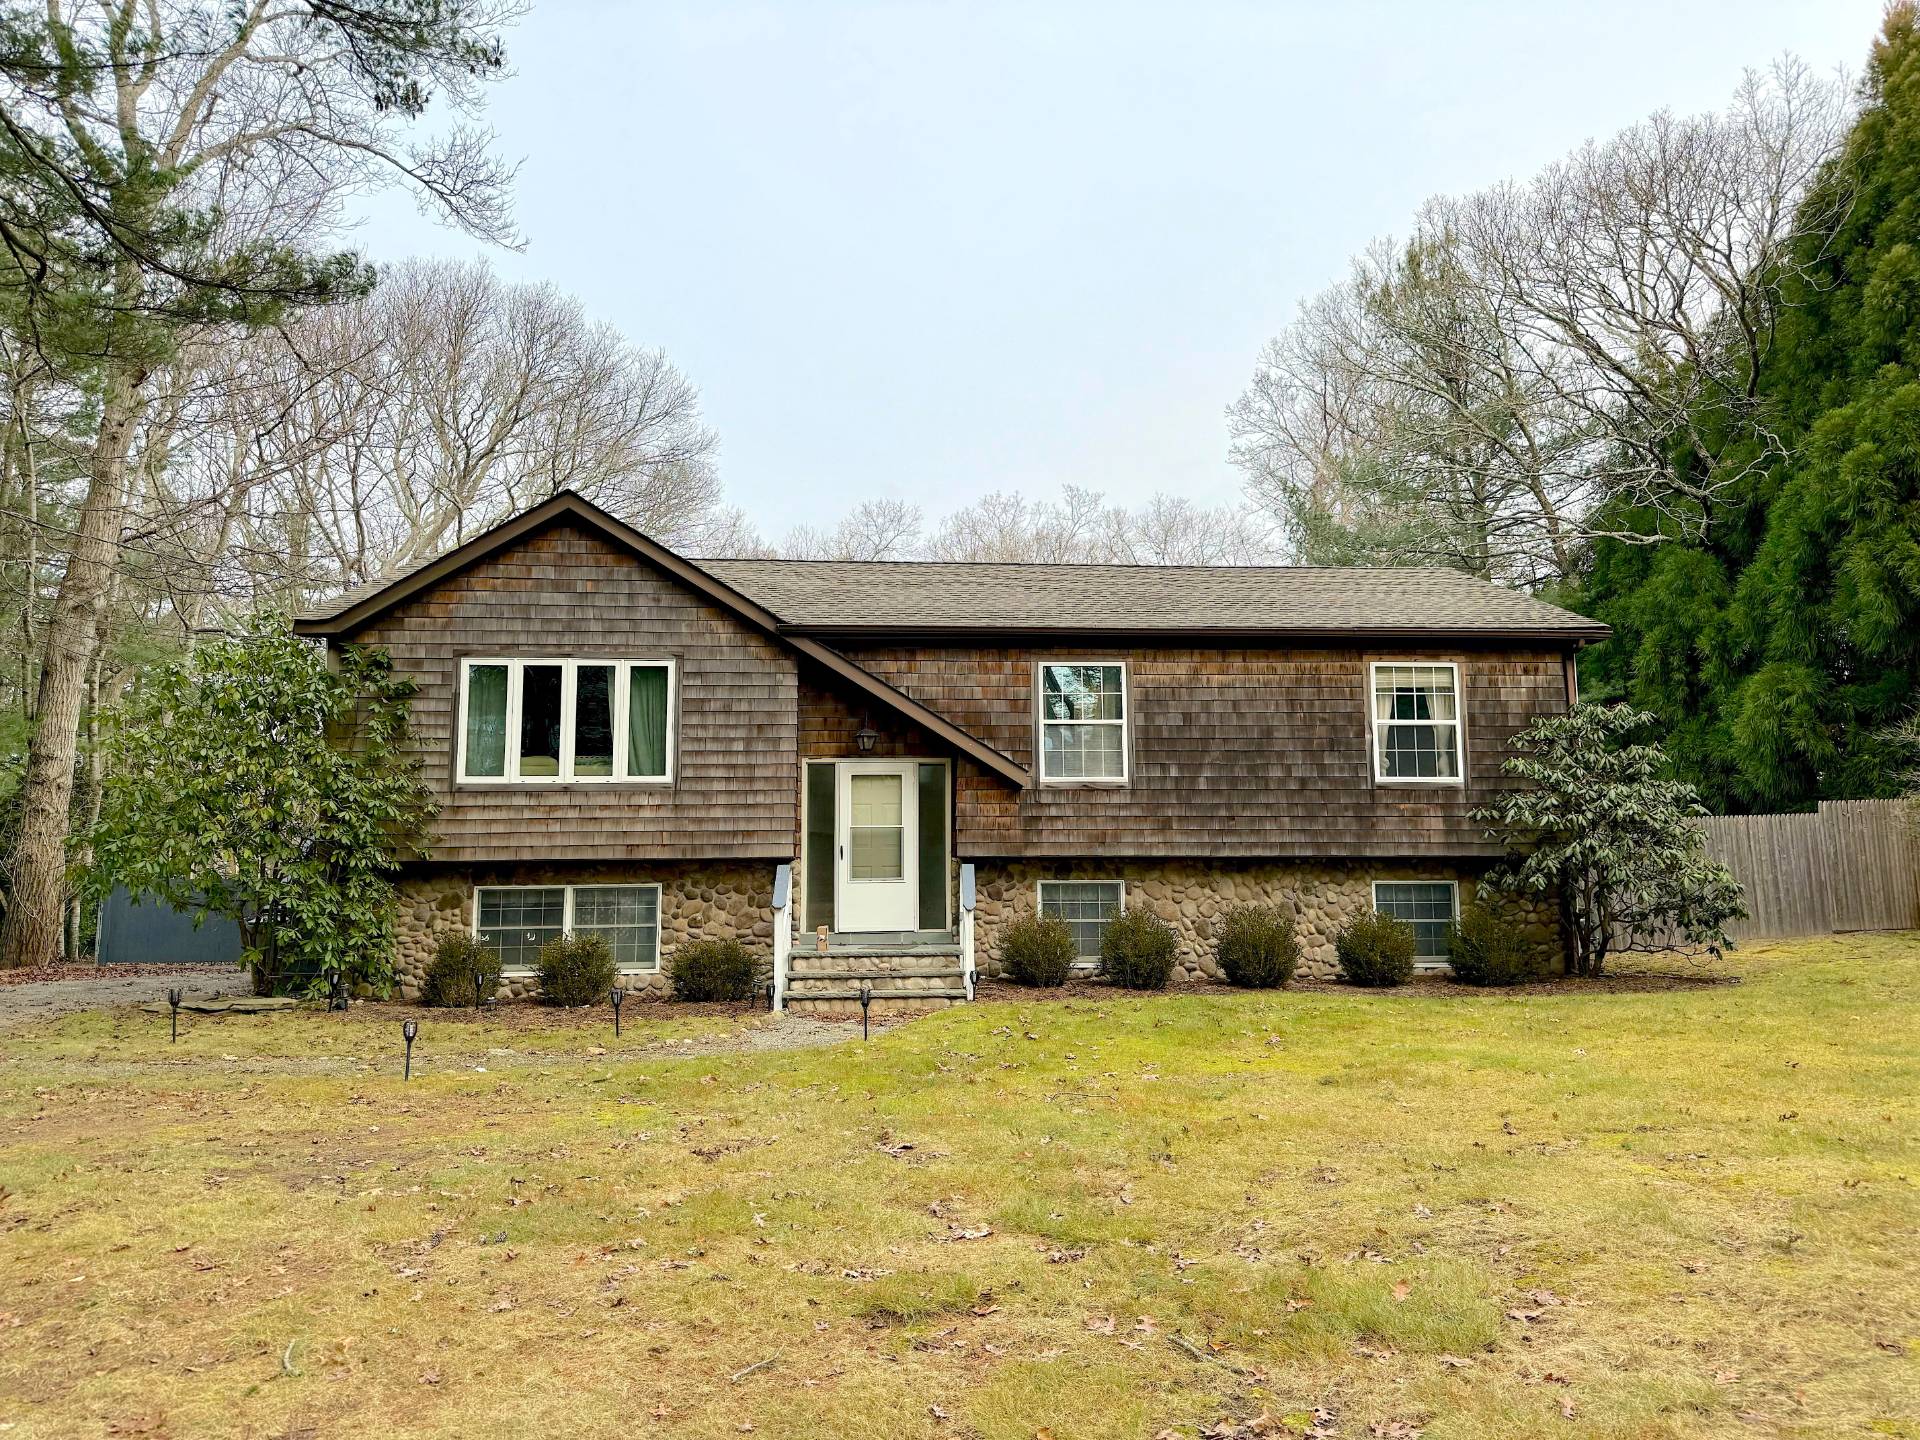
[1429,906]
[1083,722]
[1086,906]
[516,920]
[1416,723]
[550,721]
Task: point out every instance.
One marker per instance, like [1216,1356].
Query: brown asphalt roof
[935,596]
[932,597]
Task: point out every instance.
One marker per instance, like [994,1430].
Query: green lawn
[1568,1214]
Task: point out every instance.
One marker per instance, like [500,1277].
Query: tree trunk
[31,935]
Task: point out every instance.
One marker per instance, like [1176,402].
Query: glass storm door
[876,849]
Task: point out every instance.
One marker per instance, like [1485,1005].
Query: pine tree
[1780,646]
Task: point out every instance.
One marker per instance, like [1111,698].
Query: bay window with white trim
[537,720]
[514,921]
[1083,721]
[1416,723]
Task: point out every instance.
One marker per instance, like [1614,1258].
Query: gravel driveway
[23,1004]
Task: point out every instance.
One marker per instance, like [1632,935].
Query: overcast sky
[930,251]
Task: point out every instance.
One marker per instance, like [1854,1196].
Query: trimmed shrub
[1487,950]
[1257,947]
[1137,950]
[1376,951]
[1039,950]
[713,970]
[576,970]
[463,971]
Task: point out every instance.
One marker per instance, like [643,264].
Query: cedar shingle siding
[1241,749]
[568,592]
[1237,753]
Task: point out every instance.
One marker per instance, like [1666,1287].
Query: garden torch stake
[614,997]
[866,999]
[173,999]
[409,1029]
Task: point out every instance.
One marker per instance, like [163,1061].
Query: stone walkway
[49,999]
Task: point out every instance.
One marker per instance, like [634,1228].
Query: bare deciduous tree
[1547,361]
[885,529]
[393,427]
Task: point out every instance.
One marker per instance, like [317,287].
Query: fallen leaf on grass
[432,1377]
[1566,1408]
[1456,1362]
[1402,1290]
[1100,1324]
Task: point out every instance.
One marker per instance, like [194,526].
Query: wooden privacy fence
[1852,865]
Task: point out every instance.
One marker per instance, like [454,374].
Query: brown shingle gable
[348,614]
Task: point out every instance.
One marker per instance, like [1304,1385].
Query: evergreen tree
[1780,645]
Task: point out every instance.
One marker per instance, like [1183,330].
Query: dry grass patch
[1678,1213]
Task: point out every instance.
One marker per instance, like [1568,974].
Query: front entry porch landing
[893,970]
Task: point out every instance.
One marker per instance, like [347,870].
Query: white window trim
[566,918]
[1039,900]
[1376,726]
[1420,962]
[1125,722]
[569,665]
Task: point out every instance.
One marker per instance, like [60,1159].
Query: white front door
[877,850]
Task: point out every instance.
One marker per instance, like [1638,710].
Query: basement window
[514,921]
[1429,906]
[1086,906]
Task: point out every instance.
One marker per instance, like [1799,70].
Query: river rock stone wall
[1191,896]
[707,901]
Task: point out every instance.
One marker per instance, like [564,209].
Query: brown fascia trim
[569,506]
[1320,635]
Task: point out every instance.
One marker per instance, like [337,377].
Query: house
[903,757]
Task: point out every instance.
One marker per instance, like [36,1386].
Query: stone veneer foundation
[698,901]
[1192,895]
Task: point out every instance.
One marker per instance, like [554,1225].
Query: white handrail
[966,928]
[782,931]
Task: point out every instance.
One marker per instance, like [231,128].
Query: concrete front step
[890,941]
[846,1005]
[943,992]
[902,972]
[878,952]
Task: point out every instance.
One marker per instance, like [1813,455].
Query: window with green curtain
[487,720]
[647,721]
